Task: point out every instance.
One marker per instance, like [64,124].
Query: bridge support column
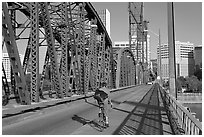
[171,43]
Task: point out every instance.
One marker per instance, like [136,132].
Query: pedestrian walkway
[142,114]
[147,118]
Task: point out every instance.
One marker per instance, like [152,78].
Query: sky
[188,21]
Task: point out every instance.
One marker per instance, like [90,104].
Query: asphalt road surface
[67,118]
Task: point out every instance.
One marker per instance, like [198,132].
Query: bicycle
[101,115]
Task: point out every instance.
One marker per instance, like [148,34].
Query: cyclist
[102,96]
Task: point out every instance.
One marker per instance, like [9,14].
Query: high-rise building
[198,56]
[7,65]
[184,59]
[105,17]
[153,65]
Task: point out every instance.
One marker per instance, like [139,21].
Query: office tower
[105,17]
[184,59]
[198,56]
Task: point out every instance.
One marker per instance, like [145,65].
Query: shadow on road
[145,118]
[93,123]
[80,119]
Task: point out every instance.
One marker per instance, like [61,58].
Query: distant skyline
[188,21]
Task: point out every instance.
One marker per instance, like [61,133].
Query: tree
[192,83]
[182,80]
[200,86]
[180,83]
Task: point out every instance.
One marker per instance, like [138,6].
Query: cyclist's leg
[106,111]
[100,114]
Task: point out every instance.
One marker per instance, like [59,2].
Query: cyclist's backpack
[100,95]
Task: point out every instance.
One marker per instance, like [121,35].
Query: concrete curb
[43,104]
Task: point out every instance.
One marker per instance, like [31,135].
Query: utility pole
[160,64]
[130,36]
[171,44]
[142,23]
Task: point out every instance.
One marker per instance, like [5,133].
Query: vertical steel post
[34,52]
[80,52]
[160,58]
[93,45]
[82,46]
[103,57]
[130,37]
[112,68]
[53,54]
[13,53]
[146,74]
[64,46]
[107,67]
[5,96]
[137,58]
[142,23]
[171,44]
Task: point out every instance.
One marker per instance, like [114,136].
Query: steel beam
[53,56]
[12,49]
[80,46]
[64,46]
[93,37]
[5,99]
[107,67]
[171,44]
[125,61]
[34,51]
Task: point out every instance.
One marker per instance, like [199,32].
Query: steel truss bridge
[78,55]
[77,48]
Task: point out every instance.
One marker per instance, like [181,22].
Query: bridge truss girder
[126,68]
[13,53]
[137,38]
[72,43]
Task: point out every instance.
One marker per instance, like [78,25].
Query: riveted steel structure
[66,48]
[137,37]
[77,54]
[126,68]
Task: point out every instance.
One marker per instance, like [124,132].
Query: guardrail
[182,121]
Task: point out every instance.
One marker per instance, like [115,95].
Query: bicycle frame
[101,115]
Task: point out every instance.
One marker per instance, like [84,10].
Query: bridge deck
[140,113]
[137,110]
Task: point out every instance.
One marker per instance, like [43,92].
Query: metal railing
[181,120]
